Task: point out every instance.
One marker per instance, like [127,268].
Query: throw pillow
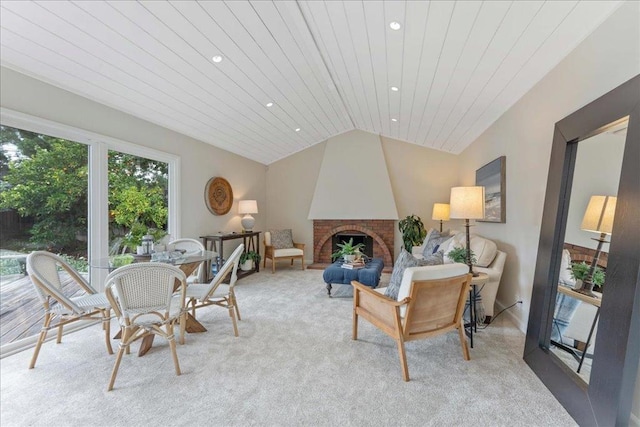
[435,239]
[404,261]
[281,239]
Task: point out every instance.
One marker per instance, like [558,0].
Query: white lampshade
[467,203]
[247,207]
[440,212]
[598,217]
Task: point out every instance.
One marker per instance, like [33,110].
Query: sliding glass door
[84,198]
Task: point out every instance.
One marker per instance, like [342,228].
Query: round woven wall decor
[218,196]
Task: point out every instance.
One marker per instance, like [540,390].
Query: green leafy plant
[250,255]
[580,271]
[134,237]
[412,230]
[459,254]
[347,248]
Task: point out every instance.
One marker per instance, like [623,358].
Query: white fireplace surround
[353,182]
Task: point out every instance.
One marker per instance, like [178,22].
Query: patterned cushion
[281,239]
[436,238]
[405,260]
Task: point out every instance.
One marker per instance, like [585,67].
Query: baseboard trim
[511,316]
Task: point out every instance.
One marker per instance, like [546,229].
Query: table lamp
[467,203]
[598,218]
[246,208]
[440,213]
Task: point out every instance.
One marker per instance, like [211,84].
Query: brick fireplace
[380,230]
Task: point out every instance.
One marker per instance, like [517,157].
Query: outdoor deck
[21,312]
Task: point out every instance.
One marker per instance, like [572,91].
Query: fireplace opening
[366,240]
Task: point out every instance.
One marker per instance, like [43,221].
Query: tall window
[138,200]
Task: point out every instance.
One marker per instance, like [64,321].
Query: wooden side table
[251,240]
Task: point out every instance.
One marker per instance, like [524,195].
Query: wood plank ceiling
[327,66]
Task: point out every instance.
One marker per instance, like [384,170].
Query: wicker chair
[430,302]
[216,292]
[191,246]
[142,296]
[44,269]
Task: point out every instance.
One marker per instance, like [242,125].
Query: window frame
[98,209]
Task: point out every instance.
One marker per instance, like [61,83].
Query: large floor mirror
[583,337]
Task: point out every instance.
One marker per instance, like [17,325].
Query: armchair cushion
[287,252]
[405,260]
[281,239]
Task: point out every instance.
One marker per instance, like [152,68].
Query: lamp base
[247,222]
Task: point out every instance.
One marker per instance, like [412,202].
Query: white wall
[604,60]
[419,178]
[199,161]
[597,172]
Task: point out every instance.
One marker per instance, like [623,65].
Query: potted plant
[248,260]
[459,254]
[347,250]
[412,230]
[580,271]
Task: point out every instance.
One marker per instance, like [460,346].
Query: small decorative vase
[349,258]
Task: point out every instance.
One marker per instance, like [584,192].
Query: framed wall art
[218,196]
[492,177]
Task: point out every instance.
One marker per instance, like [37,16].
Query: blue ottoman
[368,275]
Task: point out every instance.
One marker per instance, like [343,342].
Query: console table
[215,242]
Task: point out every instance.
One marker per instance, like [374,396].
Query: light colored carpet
[293,364]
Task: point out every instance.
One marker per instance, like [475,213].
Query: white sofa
[490,261]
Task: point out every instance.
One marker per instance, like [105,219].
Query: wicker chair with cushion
[279,244]
[430,302]
[216,292]
[190,246]
[44,269]
[142,296]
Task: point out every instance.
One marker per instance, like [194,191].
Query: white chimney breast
[353,182]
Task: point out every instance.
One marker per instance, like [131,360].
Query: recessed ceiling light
[395,25]
[395,89]
[297,129]
[394,120]
[217,59]
[269,104]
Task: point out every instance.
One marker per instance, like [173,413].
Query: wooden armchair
[288,250]
[431,302]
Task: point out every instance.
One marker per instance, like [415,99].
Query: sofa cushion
[404,261]
[485,250]
[281,239]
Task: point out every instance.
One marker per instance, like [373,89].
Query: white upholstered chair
[142,296]
[44,269]
[190,246]
[218,293]
[277,251]
[430,302]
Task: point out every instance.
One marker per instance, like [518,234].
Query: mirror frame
[607,399]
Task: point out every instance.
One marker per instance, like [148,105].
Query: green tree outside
[44,179]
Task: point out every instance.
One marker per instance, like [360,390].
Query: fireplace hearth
[379,234]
